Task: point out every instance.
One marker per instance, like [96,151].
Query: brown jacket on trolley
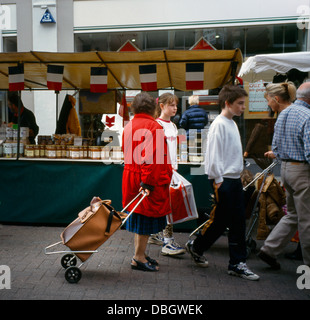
[271,201]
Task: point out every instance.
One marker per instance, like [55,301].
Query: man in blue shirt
[291,145]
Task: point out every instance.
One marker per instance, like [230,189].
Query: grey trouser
[296,180]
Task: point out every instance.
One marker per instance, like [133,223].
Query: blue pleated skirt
[143,225]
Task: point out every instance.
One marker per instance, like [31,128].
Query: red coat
[146,161]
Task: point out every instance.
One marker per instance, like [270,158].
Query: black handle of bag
[107,230]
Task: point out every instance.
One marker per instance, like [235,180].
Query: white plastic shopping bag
[182,200]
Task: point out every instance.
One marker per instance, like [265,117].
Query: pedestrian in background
[148,169]
[291,145]
[224,164]
[167,106]
[27,118]
[194,117]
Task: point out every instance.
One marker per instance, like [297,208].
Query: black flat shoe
[147,266]
[152,261]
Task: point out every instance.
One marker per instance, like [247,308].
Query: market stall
[52,186]
[54,192]
[266,66]
[256,72]
[123,67]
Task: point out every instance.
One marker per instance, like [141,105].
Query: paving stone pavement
[107,274]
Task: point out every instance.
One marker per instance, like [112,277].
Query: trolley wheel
[68,260]
[73,275]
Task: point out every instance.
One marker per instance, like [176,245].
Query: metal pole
[57,93]
[18,124]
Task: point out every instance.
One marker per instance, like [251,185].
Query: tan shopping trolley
[93,226]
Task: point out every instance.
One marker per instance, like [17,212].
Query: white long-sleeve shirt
[223,158]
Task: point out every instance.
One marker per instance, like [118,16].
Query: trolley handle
[137,204]
[264,172]
[132,201]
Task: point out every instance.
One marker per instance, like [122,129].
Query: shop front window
[10,44]
[250,40]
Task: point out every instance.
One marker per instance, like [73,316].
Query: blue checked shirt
[291,138]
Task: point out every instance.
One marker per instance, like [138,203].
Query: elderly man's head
[303,92]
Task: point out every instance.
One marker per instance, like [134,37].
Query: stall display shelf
[66,160]
[85,160]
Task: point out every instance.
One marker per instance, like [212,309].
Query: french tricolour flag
[194,76]
[16,78]
[98,79]
[148,77]
[54,77]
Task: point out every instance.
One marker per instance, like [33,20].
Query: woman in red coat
[147,168]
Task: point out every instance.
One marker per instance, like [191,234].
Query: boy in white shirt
[167,108]
[224,164]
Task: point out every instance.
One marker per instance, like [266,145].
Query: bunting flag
[148,77]
[16,78]
[194,76]
[98,79]
[54,77]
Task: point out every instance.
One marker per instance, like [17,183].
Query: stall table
[49,192]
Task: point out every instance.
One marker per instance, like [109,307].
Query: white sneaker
[156,238]
[172,248]
[241,270]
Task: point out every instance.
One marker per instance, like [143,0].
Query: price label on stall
[78,141]
[257,106]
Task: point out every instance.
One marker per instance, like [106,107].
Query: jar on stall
[81,152]
[63,149]
[74,152]
[29,151]
[24,133]
[50,151]
[58,151]
[42,150]
[15,134]
[9,133]
[85,152]
[36,149]
[117,153]
[21,149]
[95,153]
[105,153]
[7,150]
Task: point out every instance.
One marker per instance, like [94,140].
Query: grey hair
[193,100]
[303,93]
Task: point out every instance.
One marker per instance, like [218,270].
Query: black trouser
[229,213]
